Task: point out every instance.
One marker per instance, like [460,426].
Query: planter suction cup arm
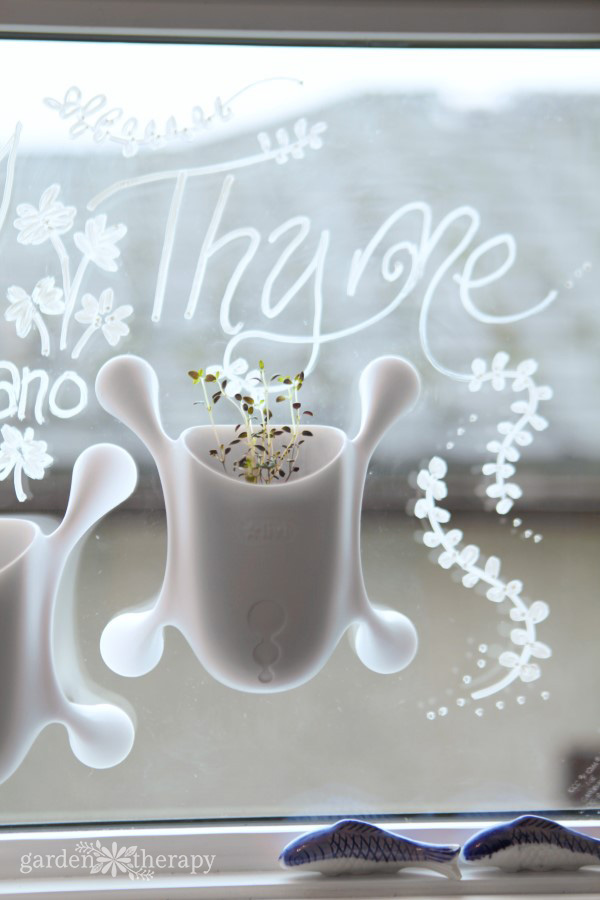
[385,640]
[101,734]
[127,388]
[103,477]
[389,387]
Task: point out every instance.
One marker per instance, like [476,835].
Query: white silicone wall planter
[262,580]
[31,564]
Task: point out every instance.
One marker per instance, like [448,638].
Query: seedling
[269,452]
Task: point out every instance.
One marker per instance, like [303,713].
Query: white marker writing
[21,386]
[9,152]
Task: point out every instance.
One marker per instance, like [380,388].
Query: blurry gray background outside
[350,741]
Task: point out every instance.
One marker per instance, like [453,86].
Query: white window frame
[566,22]
[246,854]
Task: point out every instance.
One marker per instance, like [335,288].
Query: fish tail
[454,869]
[444,860]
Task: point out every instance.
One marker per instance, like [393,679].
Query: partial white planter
[31,565]
[262,580]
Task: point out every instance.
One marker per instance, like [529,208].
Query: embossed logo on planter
[260,530]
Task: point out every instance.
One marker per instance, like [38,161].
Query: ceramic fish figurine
[532,842]
[352,847]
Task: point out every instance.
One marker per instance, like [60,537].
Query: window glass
[316,208]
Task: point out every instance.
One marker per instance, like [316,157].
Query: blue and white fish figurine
[353,847]
[532,842]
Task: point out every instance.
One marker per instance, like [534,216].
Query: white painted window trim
[246,855]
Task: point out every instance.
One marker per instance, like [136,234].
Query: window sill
[245,865]
[280,886]
[275,886]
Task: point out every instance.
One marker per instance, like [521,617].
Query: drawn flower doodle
[21,454]
[98,315]
[98,243]
[26,310]
[239,379]
[39,224]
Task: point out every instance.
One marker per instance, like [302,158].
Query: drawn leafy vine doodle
[467,558]
[513,434]
[94,117]
[287,147]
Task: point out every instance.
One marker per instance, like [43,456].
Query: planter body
[262,580]
[266,565]
[31,564]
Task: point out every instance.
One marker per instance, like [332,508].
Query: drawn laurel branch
[513,434]
[106,123]
[287,147]
[467,557]
[114,861]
